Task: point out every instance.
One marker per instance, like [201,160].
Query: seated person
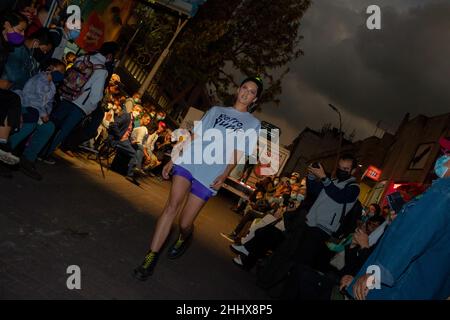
[254,210]
[137,138]
[37,98]
[256,248]
[363,243]
[150,159]
[120,137]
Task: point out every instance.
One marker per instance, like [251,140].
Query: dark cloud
[370,75]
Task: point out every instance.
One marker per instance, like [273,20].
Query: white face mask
[292,181]
[136,114]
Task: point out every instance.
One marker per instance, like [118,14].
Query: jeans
[38,141]
[24,132]
[65,117]
[127,148]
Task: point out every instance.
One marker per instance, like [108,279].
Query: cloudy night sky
[370,75]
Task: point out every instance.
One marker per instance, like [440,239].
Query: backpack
[76,77]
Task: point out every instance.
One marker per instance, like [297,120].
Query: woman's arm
[217,183]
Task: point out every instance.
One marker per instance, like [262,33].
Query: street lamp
[340,135]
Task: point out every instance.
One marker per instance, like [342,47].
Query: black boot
[145,270]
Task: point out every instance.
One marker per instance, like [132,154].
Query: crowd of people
[325,247]
[53,98]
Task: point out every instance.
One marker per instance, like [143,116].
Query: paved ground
[75,217]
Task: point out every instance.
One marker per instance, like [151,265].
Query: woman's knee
[172,208]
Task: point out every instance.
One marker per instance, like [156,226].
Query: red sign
[92,33]
[373,173]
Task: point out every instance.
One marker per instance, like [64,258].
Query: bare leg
[180,187]
[190,211]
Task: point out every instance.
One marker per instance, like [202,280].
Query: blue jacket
[414,253]
[20,67]
[38,93]
[119,127]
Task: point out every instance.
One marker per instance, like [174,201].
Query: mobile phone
[395,201]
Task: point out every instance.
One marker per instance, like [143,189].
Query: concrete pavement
[75,217]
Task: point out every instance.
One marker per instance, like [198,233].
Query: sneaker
[139,172]
[239,249]
[48,160]
[237,260]
[230,237]
[179,247]
[145,270]
[29,169]
[133,180]
[6,156]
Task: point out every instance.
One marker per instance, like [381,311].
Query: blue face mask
[440,169]
[74,34]
[300,197]
[57,77]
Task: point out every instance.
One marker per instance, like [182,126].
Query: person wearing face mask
[37,99]
[13,25]
[132,101]
[80,101]
[413,255]
[159,117]
[61,35]
[324,217]
[294,179]
[23,61]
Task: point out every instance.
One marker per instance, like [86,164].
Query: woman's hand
[345,281]
[166,170]
[360,288]
[217,183]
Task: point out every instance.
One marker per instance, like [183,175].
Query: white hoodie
[94,87]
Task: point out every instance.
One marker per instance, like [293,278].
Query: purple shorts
[197,188]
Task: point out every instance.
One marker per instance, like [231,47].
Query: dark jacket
[120,126]
[5,49]
[413,255]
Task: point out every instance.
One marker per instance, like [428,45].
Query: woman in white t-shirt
[198,174]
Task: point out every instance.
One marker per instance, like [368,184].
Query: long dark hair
[256,80]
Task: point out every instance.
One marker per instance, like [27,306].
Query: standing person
[199,182]
[61,35]
[13,26]
[80,97]
[414,255]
